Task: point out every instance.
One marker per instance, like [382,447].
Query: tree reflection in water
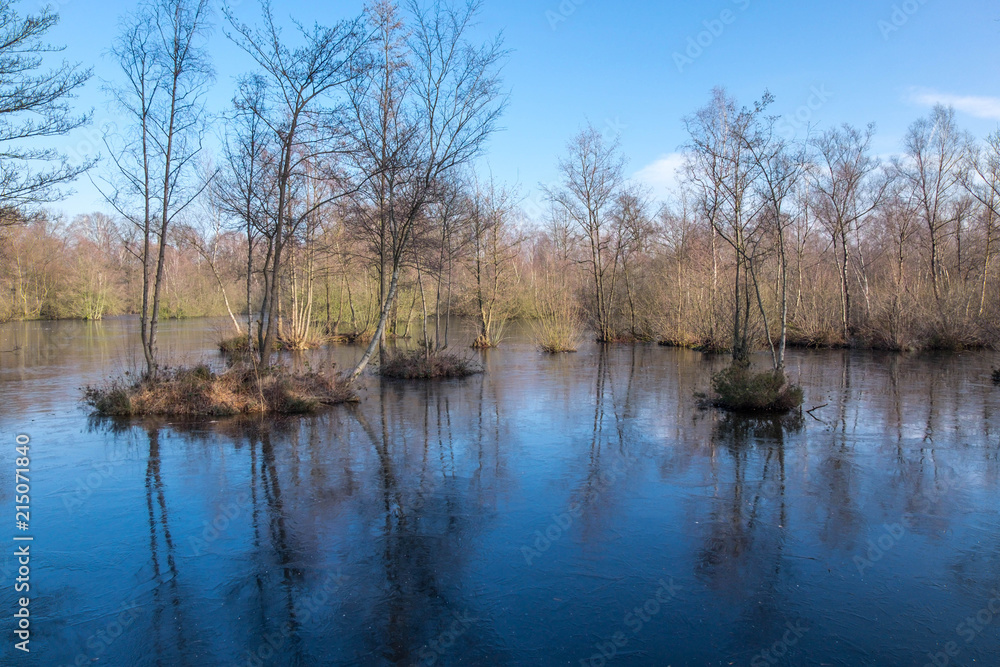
[368,528]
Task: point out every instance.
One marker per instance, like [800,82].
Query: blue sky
[635,69]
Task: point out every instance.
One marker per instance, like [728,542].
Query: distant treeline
[344,203]
[894,255]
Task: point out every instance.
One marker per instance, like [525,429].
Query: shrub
[996,376]
[556,324]
[421,365]
[739,389]
[557,334]
[198,391]
[353,337]
[706,345]
[487,341]
[114,398]
[310,340]
[237,345]
[814,336]
[240,347]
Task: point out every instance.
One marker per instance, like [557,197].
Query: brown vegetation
[556,325]
[739,389]
[555,336]
[199,391]
[424,365]
[365,230]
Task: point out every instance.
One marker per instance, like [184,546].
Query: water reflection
[391,532]
[742,556]
[163,556]
[432,511]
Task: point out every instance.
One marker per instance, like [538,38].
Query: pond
[557,510]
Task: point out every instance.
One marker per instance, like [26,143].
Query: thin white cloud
[661,176]
[980,107]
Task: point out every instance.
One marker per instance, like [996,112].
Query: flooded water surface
[557,510]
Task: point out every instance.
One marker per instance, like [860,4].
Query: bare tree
[493,245]
[384,135]
[935,157]
[295,97]
[451,220]
[633,237]
[592,178]
[781,168]
[847,188]
[981,178]
[425,109]
[101,264]
[244,190]
[304,257]
[900,221]
[166,73]
[208,243]
[34,104]
[724,174]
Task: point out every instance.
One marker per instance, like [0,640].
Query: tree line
[347,202]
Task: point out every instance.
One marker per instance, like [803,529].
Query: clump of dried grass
[422,365]
[199,391]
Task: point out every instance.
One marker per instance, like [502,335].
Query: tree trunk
[380,329]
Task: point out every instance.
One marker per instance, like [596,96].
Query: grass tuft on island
[421,365]
[198,391]
[239,346]
[705,345]
[739,389]
[236,345]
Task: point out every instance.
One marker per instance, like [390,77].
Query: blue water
[573,510]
